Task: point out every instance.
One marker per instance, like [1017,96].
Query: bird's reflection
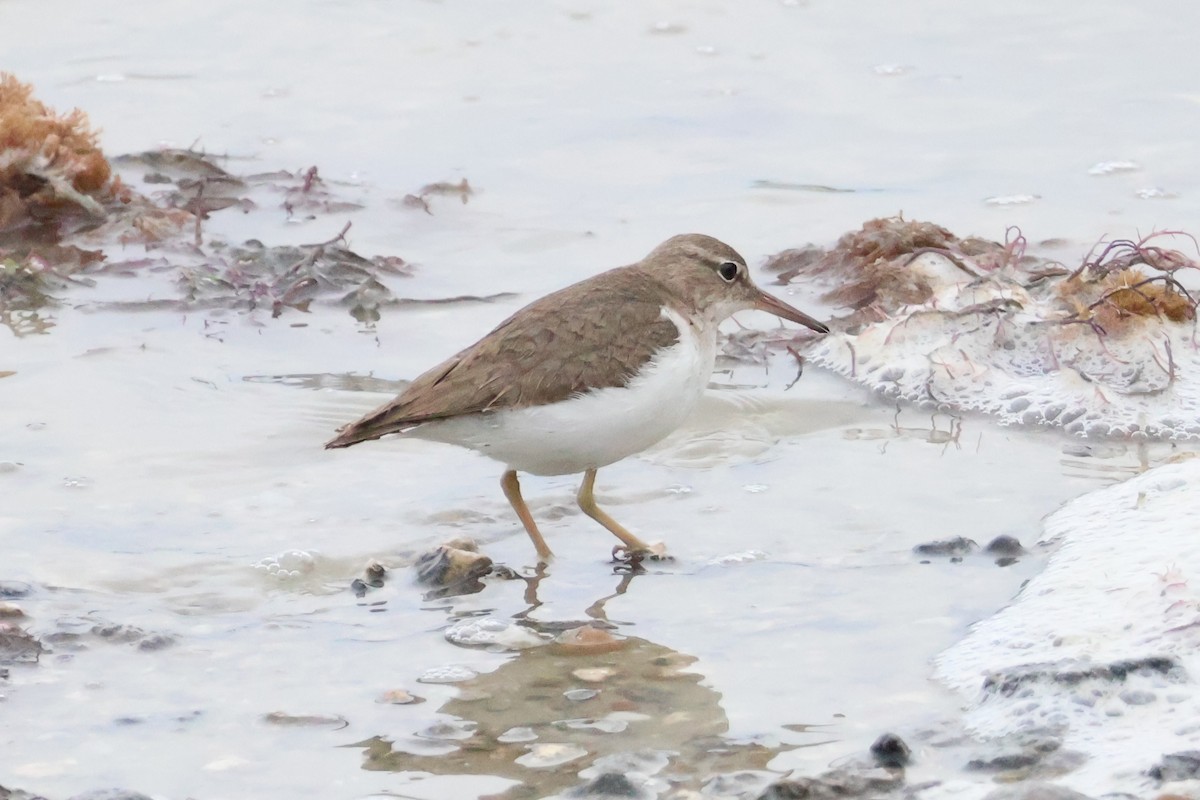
[590,701]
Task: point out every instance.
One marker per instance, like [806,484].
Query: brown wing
[594,334]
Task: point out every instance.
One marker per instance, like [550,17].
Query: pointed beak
[772,305]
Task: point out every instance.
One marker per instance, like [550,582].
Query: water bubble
[491,632]
[449,673]
[665,27]
[1012,199]
[1154,193]
[1113,167]
[288,564]
[743,557]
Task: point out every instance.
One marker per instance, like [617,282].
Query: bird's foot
[632,557]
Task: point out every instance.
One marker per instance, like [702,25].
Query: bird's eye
[728,271]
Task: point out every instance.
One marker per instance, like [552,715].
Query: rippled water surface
[188,548]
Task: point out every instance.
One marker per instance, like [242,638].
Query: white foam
[1123,585]
[992,345]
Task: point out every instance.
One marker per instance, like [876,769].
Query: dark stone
[1004,762]
[18,794]
[956,547]
[837,783]
[11,590]
[114,632]
[1181,766]
[454,568]
[1034,790]
[1011,682]
[156,641]
[1004,546]
[110,794]
[610,784]
[890,750]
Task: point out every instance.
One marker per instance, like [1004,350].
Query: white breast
[600,427]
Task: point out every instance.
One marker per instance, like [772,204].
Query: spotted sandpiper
[585,376]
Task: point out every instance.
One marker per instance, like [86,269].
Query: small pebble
[587,640]
[304,720]
[399,697]
[609,724]
[579,695]
[156,641]
[1138,697]
[958,546]
[593,674]
[455,731]
[521,734]
[10,611]
[1004,545]
[541,756]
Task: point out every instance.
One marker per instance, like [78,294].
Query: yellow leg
[587,502]
[512,490]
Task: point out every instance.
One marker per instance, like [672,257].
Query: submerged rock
[889,750]
[542,756]
[13,590]
[1013,682]
[586,640]
[954,548]
[18,645]
[400,697]
[1181,766]
[845,782]
[610,785]
[305,720]
[1034,790]
[453,568]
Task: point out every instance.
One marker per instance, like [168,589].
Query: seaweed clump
[876,268]
[51,165]
[1125,281]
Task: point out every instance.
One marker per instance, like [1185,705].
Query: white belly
[597,428]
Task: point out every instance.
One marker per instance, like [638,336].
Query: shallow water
[169,475]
